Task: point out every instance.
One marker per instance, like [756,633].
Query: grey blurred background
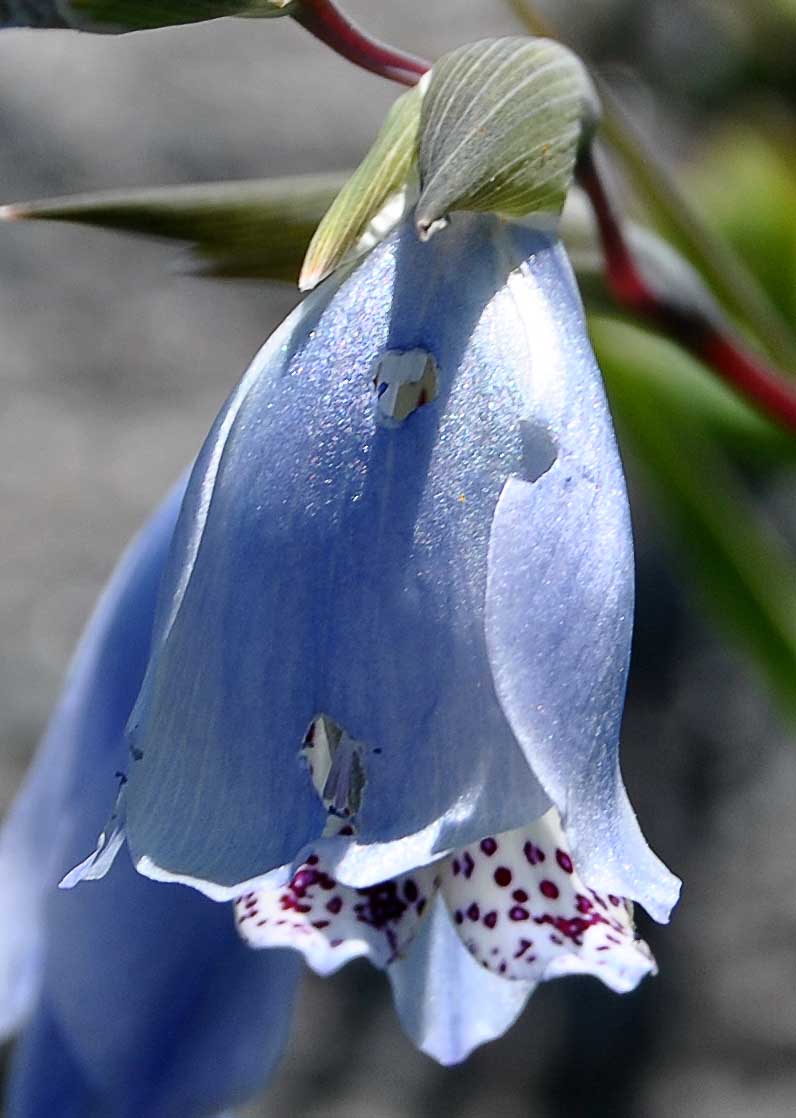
[112,365]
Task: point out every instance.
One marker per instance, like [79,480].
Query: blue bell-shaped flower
[385,693]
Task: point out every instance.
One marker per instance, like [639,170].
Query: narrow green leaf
[503,121]
[380,177]
[258,229]
[132,15]
[741,566]
[140,15]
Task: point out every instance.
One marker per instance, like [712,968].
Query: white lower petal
[331,923]
[523,912]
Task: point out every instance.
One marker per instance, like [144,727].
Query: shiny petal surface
[559,606]
[446,1002]
[156,1004]
[330,923]
[333,560]
[522,910]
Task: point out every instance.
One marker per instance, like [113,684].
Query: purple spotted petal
[332,559]
[523,911]
[332,923]
[559,607]
[446,1002]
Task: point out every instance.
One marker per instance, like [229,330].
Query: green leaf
[257,229]
[140,15]
[379,178]
[503,121]
[742,568]
[746,183]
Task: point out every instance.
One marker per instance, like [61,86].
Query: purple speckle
[491,919]
[522,947]
[518,913]
[488,846]
[564,861]
[502,876]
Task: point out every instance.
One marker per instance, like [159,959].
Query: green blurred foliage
[745,182]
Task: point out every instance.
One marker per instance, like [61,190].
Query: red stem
[324,20]
[711,342]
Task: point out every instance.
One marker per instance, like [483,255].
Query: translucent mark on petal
[332,923]
[539,449]
[108,846]
[404,382]
[524,912]
[336,764]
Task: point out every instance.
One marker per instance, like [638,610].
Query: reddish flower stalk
[713,344]
[324,20]
[717,347]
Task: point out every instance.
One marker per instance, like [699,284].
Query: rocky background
[112,365]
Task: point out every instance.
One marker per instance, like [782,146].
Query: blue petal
[335,564]
[158,1004]
[45,1077]
[171,1015]
[559,610]
[446,1002]
[100,689]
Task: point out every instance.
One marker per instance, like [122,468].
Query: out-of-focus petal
[45,1077]
[523,911]
[330,923]
[169,1013]
[559,608]
[84,732]
[333,562]
[446,1002]
[155,1000]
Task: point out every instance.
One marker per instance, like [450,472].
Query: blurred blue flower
[138,1000]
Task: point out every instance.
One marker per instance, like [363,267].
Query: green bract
[503,121]
[381,176]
